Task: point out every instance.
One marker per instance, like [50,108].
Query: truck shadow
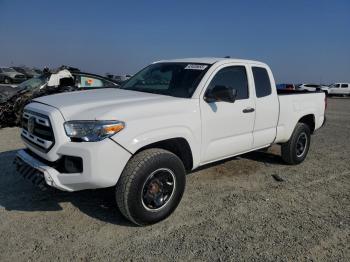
[18,194]
[264,157]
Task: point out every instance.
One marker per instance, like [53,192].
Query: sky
[302,41]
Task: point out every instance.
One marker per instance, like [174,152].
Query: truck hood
[107,104]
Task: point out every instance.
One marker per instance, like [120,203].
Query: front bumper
[28,171]
[103,163]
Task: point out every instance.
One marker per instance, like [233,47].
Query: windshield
[33,83]
[7,69]
[172,79]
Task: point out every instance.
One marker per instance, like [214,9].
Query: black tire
[132,189]
[292,151]
[7,80]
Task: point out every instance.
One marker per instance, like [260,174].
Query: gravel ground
[234,210]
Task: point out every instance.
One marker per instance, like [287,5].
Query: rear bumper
[103,162]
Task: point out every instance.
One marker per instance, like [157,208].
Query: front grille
[37,130]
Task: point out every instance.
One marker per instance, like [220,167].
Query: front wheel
[151,186]
[295,150]
[7,80]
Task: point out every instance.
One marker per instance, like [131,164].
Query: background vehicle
[9,75]
[168,119]
[340,89]
[314,87]
[29,73]
[38,71]
[285,87]
[118,78]
[13,100]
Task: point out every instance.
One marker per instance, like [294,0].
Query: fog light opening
[73,164]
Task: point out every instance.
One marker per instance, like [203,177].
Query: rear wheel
[295,150]
[151,186]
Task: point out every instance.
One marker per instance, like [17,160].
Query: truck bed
[293,105]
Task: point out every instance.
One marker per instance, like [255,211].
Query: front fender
[135,143]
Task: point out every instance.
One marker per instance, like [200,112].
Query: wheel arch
[308,120]
[178,146]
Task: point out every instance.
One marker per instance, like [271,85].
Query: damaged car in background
[28,72]
[9,76]
[64,79]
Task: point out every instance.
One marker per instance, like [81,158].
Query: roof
[209,60]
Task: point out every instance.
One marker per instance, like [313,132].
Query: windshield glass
[33,83]
[172,79]
[30,71]
[7,69]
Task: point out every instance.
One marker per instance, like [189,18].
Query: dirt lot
[234,210]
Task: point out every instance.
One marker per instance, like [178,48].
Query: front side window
[234,77]
[262,82]
[172,79]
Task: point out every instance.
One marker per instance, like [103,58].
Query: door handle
[248,110]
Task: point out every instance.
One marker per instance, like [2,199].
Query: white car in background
[314,87]
[340,89]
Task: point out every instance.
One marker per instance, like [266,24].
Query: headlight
[92,131]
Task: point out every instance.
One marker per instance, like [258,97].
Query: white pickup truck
[168,119]
[342,89]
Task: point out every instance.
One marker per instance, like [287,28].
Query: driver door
[227,128]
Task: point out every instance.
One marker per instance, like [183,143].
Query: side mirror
[221,94]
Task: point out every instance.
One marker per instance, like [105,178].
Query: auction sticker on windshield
[196,67]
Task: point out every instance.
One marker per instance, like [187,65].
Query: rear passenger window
[262,82]
[234,77]
[344,85]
